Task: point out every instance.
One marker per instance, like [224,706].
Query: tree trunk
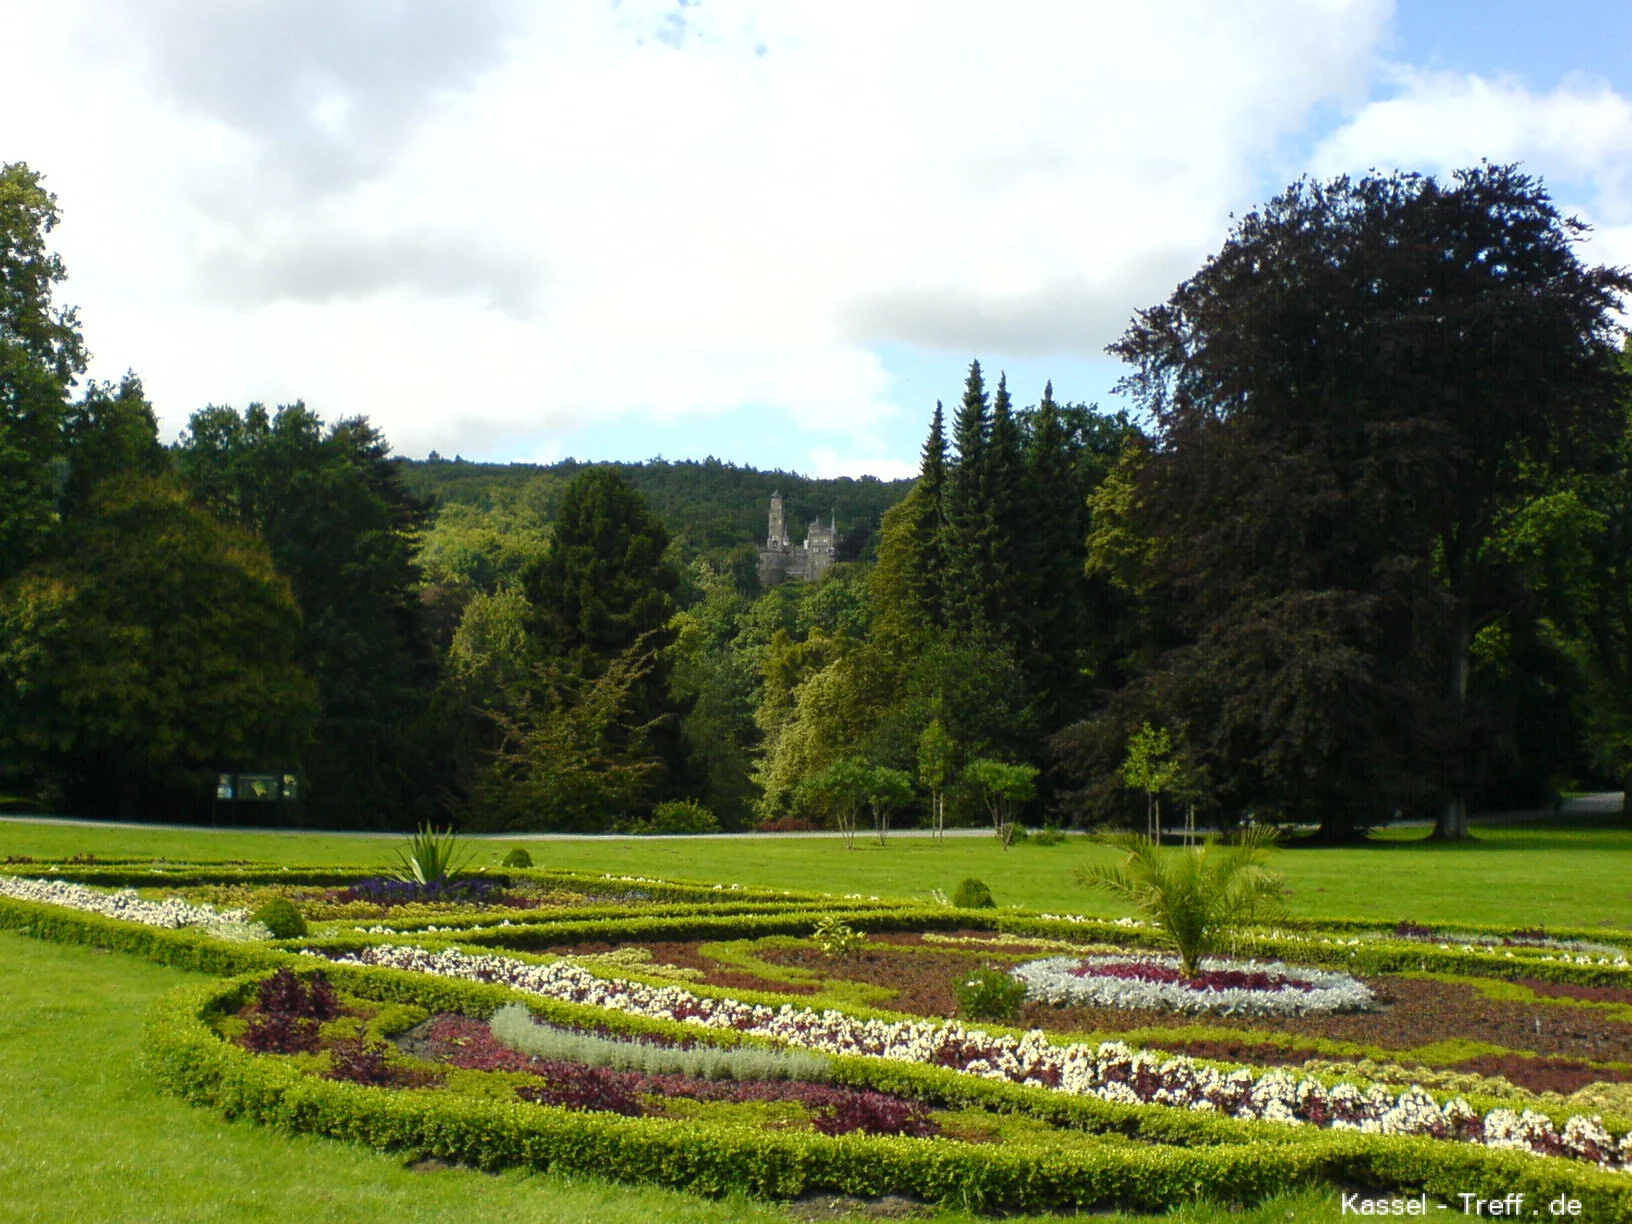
[1453,816]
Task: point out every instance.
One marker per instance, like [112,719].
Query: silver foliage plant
[1306,992]
[514,1026]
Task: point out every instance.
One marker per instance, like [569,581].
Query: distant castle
[779,560]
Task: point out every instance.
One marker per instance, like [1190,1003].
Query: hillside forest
[1362,550]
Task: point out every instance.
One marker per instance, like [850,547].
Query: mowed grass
[1553,875]
[85,1137]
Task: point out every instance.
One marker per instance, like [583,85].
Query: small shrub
[429,857]
[675,816]
[683,816]
[518,858]
[838,940]
[989,994]
[1049,836]
[973,894]
[280,916]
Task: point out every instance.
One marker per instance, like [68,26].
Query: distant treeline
[1365,551]
[711,508]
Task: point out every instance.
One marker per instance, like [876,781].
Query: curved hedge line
[189,1060]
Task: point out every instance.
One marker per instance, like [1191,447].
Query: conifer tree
[966,538]
[1051,545]
[1006,496]
[907,586]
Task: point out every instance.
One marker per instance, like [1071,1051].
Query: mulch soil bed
[1569,1046]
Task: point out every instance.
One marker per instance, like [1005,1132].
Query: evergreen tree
[603,582]
[966,538]
[907,585]
[603,591]
[1051,548]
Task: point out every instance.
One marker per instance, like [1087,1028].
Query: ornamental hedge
[1237,1164]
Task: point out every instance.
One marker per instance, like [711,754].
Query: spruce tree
[1051,546]
[1006,495]
[929,575]
[966,536]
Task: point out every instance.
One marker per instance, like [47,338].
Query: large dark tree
[330,504]
[1350,400]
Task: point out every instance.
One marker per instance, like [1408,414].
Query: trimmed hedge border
[1228,1159]
[189,1060]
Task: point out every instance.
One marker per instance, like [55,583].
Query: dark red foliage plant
[287,1014]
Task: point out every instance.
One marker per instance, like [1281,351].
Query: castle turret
[778,537]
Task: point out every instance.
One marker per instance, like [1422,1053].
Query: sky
[772,232]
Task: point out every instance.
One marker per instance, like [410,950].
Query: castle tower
[774,558]
[778,537]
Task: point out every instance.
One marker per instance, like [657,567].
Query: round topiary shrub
[517,858]
[973,894]
[280,916]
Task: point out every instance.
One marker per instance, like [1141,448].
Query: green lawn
[1556,875]
[84,1137]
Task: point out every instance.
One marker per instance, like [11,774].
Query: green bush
[973,894]
[280,916]
[989,994]
[675,816]
[837,939]
[1048,836]
[517,858]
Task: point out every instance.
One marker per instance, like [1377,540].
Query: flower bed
[1532,940]
[171,914]
[472,1044]
[1111,1072]
[1226,987]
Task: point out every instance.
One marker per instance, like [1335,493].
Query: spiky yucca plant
[429,858]
[1198,895]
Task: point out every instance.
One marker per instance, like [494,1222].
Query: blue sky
[775,233]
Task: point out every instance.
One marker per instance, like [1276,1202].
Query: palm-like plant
[429,857]
[1198,895]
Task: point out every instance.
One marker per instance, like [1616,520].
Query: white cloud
[1578,136]
[485,224]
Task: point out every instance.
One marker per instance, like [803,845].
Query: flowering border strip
[171,914]
[190,1060]
[1368,955]
[1112,1072]
[1078,981]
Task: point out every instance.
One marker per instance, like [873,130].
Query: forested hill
[708,505]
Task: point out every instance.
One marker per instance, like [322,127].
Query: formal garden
[1185,1034]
